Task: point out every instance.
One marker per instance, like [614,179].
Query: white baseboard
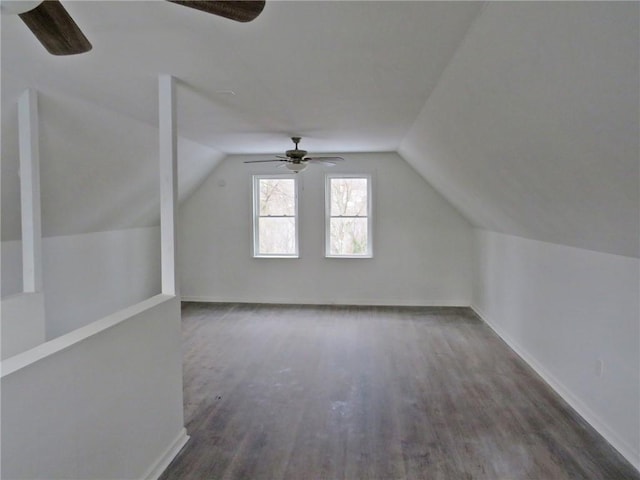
[309,301]
[625,449]
[163,461]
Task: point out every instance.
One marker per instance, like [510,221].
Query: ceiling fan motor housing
[296,155]
[295,159]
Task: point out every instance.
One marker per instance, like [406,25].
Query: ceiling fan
[60,35]
[296,159]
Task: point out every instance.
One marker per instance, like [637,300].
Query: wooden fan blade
[55,29]
[238,10]
[263,161]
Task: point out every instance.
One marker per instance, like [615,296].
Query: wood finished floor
[303,392]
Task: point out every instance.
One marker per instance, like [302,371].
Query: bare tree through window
[276,216]
[348,216]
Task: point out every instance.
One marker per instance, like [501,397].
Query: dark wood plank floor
[303,392]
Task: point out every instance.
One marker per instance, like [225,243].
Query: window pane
[349,197]
[277,196]
[277,236]
[348,236]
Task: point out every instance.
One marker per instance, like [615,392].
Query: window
[348,216]
[275,212]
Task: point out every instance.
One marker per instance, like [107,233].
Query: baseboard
[623,447]
[309,301]
[163,461]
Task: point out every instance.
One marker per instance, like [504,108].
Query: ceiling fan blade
[238,10]
[263,161]
[324,159]
[323,162]
[55,29]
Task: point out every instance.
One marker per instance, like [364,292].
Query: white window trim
[327,214]
[256,216]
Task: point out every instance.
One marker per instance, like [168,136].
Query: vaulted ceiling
[524,115]
[533,129]
[347,75]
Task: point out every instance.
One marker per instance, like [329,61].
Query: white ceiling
[523,114]
[347,76]
[533,129]
[350,76]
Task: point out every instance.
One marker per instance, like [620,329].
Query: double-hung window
[348,216]
[275,216]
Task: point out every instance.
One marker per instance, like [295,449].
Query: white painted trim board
[310,301]
[162,462]
[63,342]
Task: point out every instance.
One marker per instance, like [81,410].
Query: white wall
[92,275]
[22,323]
[89,276]
[11,268]
[565,310]
[102,402]
[422,246]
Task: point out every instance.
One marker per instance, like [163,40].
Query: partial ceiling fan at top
[296,159]
[60,35]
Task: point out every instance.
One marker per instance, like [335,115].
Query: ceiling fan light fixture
[296,167]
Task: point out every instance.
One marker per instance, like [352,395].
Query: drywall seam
[623,447]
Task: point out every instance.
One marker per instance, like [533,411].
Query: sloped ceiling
[533,129]
[347,76]
[523,114]
[99,170]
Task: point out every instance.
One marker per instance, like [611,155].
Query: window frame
[256,215]
[328,217]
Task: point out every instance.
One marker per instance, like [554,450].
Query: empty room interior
[320,240]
